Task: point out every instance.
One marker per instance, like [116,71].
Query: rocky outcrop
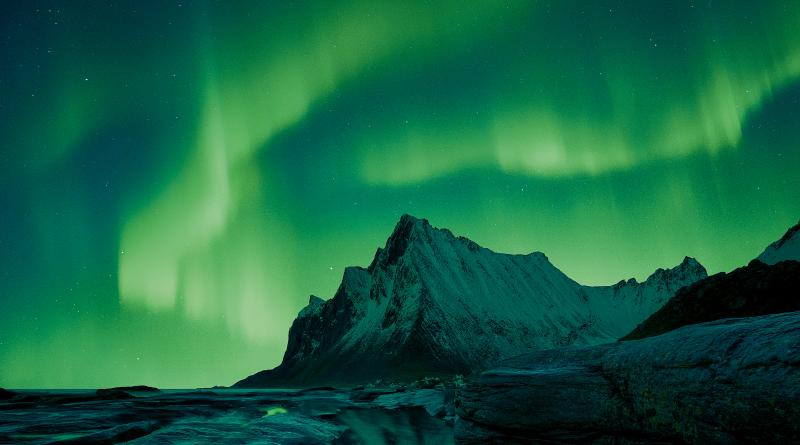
[727,381]
[432,304]
[6,394]
[130,389]
[756,289]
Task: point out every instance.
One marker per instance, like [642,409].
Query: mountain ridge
[753,290]
[432,303]
[767,285]
[785,248]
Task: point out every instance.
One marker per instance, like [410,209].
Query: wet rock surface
[312,416]
[728,381]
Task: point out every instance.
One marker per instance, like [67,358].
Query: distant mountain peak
[690,264]
[689,261]
[688,267]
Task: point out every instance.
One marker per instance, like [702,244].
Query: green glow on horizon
[182,176]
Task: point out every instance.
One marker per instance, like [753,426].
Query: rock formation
[727,381]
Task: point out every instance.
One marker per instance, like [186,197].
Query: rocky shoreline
[727,381]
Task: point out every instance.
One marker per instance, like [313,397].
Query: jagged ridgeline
[769,284]
[434,304]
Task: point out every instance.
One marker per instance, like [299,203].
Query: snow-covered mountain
[432,303]
[786,248]
[767,285]
[749,291]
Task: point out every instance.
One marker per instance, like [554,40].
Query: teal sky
[177,177]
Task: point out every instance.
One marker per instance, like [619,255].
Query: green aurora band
[178,177]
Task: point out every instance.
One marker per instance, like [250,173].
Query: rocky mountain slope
[432,304]
[727,381]
[786,248]
[756,289]
[769,284]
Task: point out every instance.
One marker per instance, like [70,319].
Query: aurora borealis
[178,177]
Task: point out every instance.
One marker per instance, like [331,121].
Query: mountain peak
[408,224]
[690,263]
[407,230]
[315,300]
[402,235]
[689,267]
[314,303]
[411,219]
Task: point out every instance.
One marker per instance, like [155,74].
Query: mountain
[769,284]
[627,303]
[786,248]
[432,303]
[756,289]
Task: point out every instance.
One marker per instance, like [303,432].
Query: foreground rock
[756,289]
[433,304]
[728,381]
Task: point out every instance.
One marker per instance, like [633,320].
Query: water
[228,417]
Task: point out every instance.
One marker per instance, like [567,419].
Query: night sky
[177,177]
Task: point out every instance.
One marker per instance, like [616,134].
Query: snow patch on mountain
[627,303]
[786,248]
